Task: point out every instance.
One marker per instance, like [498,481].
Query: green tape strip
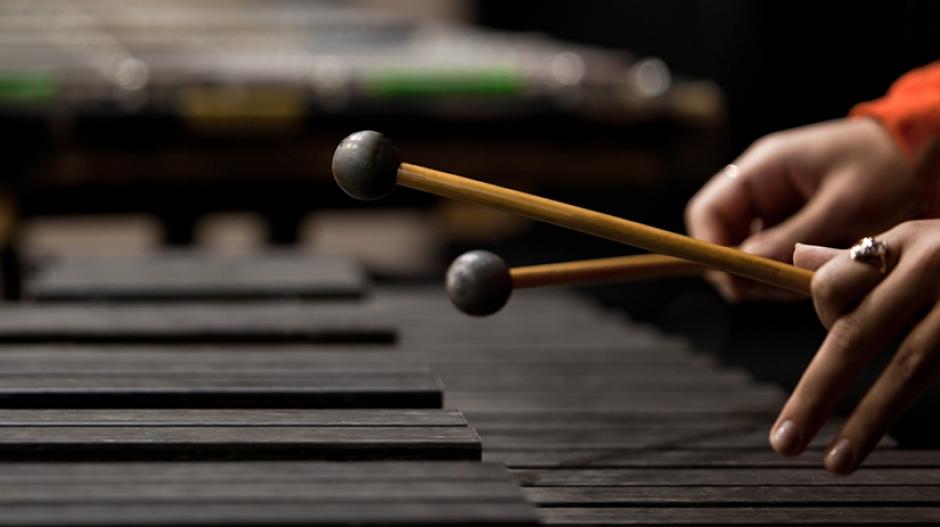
[400,83]
[27,86]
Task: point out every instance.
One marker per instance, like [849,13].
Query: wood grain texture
[265,322]
[648,402]
[742,496]
[408,513]
[195,376]
[824,515]
[159,443]
[235,434]
[269,493]
[700,458]
[232,417]
[627,477]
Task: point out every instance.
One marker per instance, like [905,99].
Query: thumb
[813,257]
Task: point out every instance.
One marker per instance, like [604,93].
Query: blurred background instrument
[179,109]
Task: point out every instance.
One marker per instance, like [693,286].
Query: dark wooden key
[156,435]
[739,496]
[628,477]
[187,323]
[189,275]
[269,493]
[193,376]
[668,459]
[750,515]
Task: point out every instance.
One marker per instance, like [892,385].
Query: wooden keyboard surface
[137,411]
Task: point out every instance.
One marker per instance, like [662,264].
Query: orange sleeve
[910,112]
[911,109]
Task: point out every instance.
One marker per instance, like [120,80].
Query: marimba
[184,389]
[212,92]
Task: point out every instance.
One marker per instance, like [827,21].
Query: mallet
[367,166]
[480,283]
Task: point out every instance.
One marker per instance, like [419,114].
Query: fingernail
[841,458]
[786,438]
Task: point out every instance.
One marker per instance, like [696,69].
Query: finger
[754,186]
[807,256]
[850,344]
[839,284]
[745,289]
[819,222]
[736,289]
[725,284]
[813,257]
[722,210]
[911,370]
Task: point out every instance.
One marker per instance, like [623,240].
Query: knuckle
[693,211]
[907,228]
[926,260]
[847,335]
[922,259]
[701,219]
[931,252]
[914,364]
[770,142]
[826,293]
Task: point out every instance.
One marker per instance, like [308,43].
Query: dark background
[781,63]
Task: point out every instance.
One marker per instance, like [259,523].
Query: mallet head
[365,165]
[479,283]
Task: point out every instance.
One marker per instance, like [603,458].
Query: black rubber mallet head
[479,283]
[365,165]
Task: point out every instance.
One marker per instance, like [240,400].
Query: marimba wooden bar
[260,493]
[159,435]
[214,376]
[177,276]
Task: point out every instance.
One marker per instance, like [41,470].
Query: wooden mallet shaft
[652,239]
[480,283]
[367,165]
[615,269]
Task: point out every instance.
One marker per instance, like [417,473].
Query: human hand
[866,313]
[828,184]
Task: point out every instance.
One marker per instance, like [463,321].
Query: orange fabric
[910,112]
[911,109]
